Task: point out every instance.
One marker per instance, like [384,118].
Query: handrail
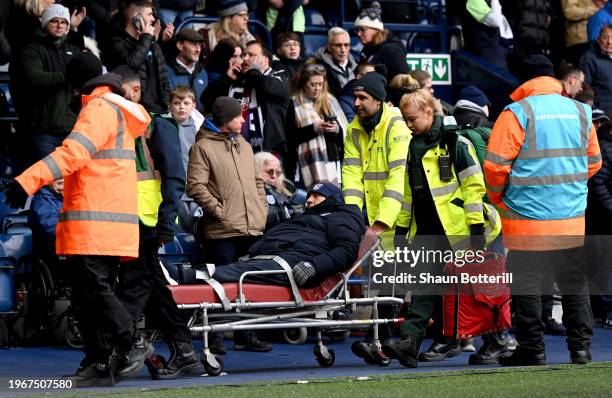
[201,19]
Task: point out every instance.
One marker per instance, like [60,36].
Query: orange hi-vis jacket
[97,161]
[529,183]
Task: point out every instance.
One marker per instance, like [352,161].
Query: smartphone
[137,22]
[331,118]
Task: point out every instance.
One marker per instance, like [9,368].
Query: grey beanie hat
[54,11]
[225,109]
[228,8]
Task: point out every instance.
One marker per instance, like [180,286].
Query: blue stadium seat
[312,42]
[315,20]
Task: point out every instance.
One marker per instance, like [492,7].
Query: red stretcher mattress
[196,294]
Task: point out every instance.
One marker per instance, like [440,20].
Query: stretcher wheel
[72,334]
[212,365]
[325,356]
[295,335]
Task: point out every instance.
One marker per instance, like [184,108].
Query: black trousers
[142,289]
[568,268]
[103,320]
[232,272]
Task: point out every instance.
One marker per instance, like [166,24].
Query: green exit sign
[437,65]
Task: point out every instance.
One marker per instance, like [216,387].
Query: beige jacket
[577,13]
[221,179]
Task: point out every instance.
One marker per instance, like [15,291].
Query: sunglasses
[273,172]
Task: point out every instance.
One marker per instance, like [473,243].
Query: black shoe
[554,328]
[369,354]
[251,342]
[468,345]
[216,344]
[96,374]
[522,357]
[490,352]
[128,364]
[406,350]
[183,362]
[439,351]
[581,356]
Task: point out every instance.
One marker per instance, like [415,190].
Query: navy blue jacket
[600,185]
[179,76]
[165,148]
[327,235]
[597,69]
[44,212]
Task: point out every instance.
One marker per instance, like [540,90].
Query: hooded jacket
[336,76]
[391,53]
[45,109]
[527,227]
[100,214]
[466,112]
[221,179]
[327,235]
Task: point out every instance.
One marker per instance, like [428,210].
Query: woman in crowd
[398,86]
[426,83]
[225,58]
[284,199]
[379,45]
[320,128]
[233,24]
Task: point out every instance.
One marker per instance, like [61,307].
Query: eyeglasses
[273,172]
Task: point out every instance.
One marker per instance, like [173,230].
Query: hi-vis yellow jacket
[459,202]
[374,167]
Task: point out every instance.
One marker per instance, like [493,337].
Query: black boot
[522,357]
[494,347]
[96,374]
[128,363]
[405,350]
[440,351]
[369,353]
[553,328]
[248,341]
[216,344]
[581,356]
[183,362]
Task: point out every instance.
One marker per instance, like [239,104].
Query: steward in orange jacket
[99,219]
[542,150]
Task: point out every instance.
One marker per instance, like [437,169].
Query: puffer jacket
[599,205]
[391,53]
[221,179]
[529,20]
[577,14]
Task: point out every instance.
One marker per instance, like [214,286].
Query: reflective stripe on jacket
[100,215]
[374,166]
[459,201]
[530,178]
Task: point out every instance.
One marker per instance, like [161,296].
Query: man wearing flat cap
[185,69]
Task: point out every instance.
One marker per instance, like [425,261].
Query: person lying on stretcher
[316,244]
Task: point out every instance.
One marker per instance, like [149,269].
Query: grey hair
[335,31]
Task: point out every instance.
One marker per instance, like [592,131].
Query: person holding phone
[321,127]
[137,47]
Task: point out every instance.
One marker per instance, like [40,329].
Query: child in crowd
[189,119]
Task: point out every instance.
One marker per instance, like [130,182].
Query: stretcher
[249,306]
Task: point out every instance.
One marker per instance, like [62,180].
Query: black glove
[164,237]
[477,237]
[303,271]
[400,239]
[14,194]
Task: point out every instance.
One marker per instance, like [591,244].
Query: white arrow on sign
[440,69]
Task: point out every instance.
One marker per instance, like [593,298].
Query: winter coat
[145,56]
[467,112]
[577,13]
[480,39]
[346,100]
[391,53]
[221,179]
[290,67]
[529,20]
[45,108]
[337,77]
[599,208]
[327,235]
[44,212]
[272,93]
[597,69]
[197,81]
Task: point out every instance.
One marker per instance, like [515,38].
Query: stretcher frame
[242,314]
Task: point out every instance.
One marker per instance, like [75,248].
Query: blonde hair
[380,37]
[420,98]
[223,30]
[404,82]
[32,7]
[182,92]
[322,105]
[261,160]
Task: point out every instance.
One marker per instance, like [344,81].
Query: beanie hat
[227,8]
[370,17]
[536,65]
[54,11]
[372,83]
[225,109]
[81,68]
[474,95]
[326,189]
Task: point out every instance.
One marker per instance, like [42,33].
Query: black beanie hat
[372,83]
[225,109]
[81,68]
[536,65]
